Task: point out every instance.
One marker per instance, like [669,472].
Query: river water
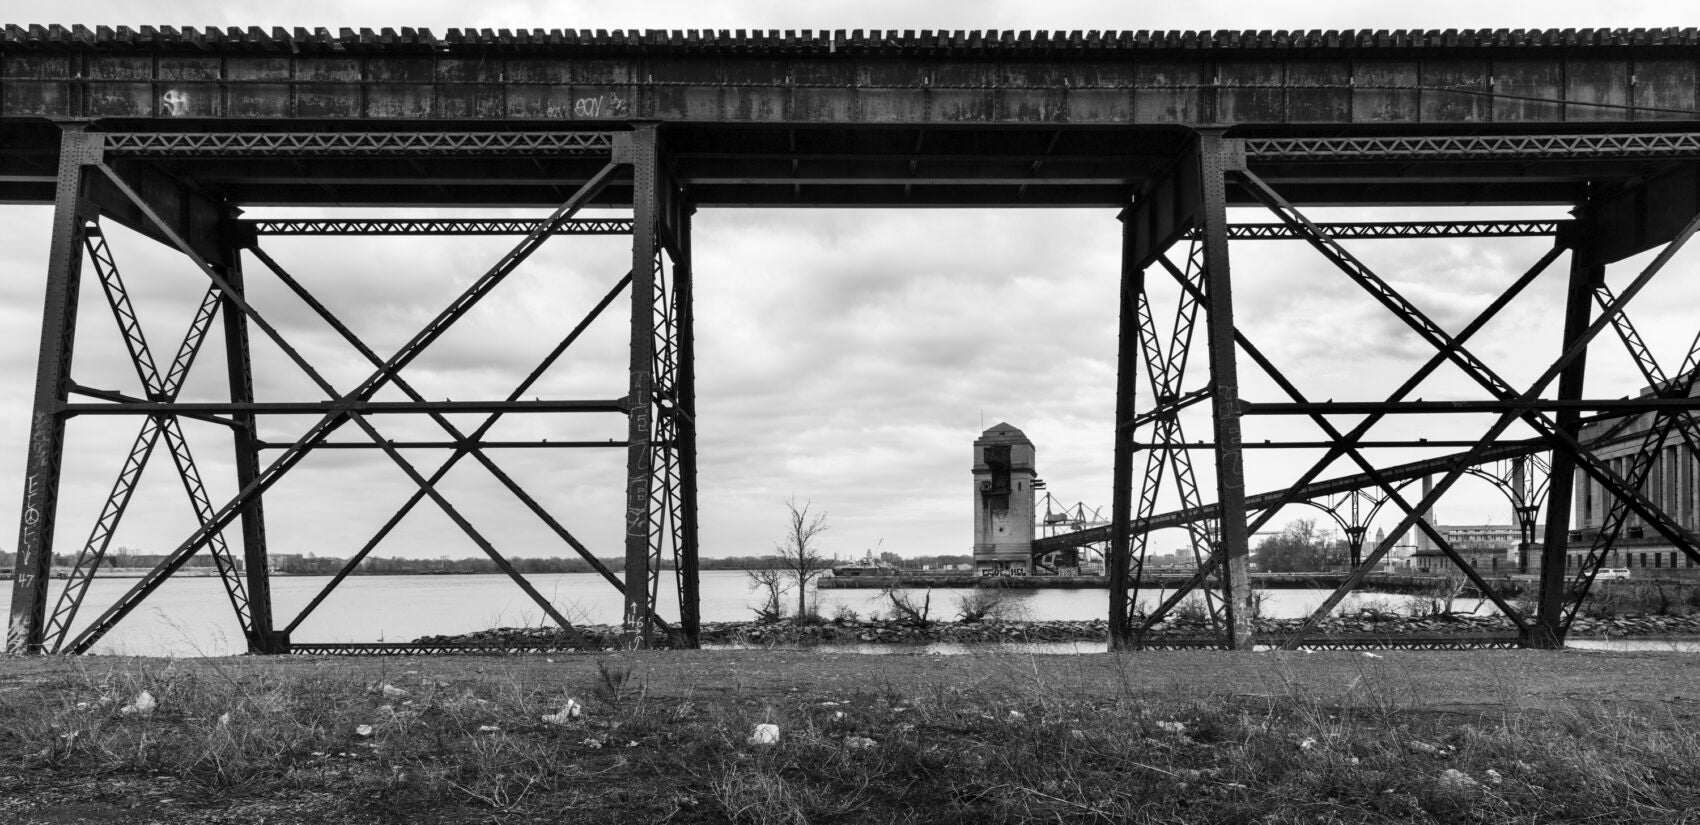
[192,616]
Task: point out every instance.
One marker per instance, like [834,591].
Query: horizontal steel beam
[213,144]
[341,405]
[440,226]
[1484,147]
[451,445]
[1314,445]
[1318,489]
[1400,229]
[1468,406]
[123,398]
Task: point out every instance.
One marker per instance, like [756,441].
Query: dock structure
[172,132]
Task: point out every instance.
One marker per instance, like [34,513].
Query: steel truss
[1165,367]
[436,226]
[1406,229]
[659,407]
[1184,204]
[1641,463]
[384,144]
[1472,147]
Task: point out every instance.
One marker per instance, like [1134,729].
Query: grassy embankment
[1187,737]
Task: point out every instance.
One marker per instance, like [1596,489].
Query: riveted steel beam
[344,144]
[1217,158]
[27,624]
[1379,230]
[435,226]
[1473,147]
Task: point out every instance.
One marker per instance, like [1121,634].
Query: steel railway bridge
[172,132]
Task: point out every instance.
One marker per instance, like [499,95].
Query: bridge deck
[868,119]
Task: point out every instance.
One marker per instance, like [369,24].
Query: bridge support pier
[34,561]
[112,177]
[661,404]
[1185,202]
[1548,629]
[1189,200]
[1217,158]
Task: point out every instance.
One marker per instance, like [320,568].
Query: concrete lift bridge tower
[1003,500]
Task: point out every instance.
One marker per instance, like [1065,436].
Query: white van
[1612,573]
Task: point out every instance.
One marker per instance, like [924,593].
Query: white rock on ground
[765,734]
[1453,779]
[572,710]
[143,706]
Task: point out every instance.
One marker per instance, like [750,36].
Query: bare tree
[771,584]
[799,554]
[906,610]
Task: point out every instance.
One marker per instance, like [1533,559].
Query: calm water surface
[192,616]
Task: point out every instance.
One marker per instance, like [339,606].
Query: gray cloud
[845,357]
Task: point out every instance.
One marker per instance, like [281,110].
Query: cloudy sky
[846,358]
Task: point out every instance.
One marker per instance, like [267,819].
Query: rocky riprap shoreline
[600,637]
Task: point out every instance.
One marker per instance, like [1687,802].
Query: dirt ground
[1449,688]
[1439,680]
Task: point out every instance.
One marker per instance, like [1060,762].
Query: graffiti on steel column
[32,509]
[41,454]
[174,103]
[637,505]
[41,436]
[1231,457]
[637,486]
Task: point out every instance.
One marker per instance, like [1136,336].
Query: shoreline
[1172,632]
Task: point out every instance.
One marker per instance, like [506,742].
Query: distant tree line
[1299,547]
[314,565]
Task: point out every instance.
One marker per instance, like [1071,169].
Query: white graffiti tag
[174,103]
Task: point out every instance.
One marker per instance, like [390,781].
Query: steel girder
[435,226]
[1180,219]
[1666,419]
[1525,482]
[1445,344]
[661,483]
[1554,433]
[26,629]
[348,144]
[162,388]
[1165,367]
[1274,500]
[1468,147]
[1399,229]
[1351,450]
[666,319]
